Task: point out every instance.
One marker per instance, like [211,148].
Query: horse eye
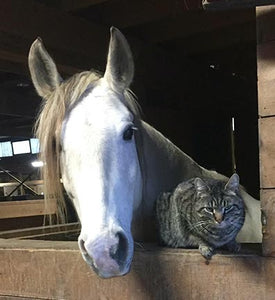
[128,134]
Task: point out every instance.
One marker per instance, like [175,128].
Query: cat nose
[218,215]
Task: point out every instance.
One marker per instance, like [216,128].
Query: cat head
[218,206]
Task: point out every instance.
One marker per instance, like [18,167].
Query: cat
[204,213]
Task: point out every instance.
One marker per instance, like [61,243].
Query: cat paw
[206,251]
[233,247]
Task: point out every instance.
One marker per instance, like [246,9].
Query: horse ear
[44,74]
[200,185]
[120,65]
[233,183]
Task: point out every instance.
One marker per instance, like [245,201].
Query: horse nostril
[119,251]
[82,247]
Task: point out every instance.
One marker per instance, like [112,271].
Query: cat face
[218,210]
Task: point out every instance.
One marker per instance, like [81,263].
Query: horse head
[87,134]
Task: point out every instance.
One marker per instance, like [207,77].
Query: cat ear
[200,185]
[233,183]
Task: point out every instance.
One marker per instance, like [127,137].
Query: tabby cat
[204,213]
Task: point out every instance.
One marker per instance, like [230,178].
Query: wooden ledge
[56,270]
[26,208]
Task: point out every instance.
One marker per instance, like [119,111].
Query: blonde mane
[48,130]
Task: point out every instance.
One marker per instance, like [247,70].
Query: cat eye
[230,207]
[208,209]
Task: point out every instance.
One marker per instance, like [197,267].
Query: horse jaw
[101,172]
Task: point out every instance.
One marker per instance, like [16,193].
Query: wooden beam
[38,231]
[26,208]
[267,152]
[19,102]
[191,24]
[17,130]
[266,103]
[31,182]
[70,5]
[268,207]
[214,40]
[75,42]
[56,270]
[139,11]
[265,23]
[233,4]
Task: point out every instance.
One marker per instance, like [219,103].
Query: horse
[111,163]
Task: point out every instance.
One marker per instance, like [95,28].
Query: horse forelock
[49,125]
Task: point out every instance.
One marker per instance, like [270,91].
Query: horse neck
[164,166]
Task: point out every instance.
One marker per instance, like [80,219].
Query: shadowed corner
[153,273]
[167,273]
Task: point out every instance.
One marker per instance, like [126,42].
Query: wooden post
[265,17]
[233,4]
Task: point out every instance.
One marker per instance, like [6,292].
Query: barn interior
[195,77]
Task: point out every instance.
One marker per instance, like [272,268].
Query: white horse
[112,164]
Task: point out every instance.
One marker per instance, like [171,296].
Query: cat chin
[221,225]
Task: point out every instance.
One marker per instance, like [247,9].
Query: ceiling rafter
[76,42]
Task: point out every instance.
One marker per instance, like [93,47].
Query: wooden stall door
[266,99]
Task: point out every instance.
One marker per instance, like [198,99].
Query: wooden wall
[56,270]
[266,101]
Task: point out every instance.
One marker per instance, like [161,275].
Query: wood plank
[24,208]
[17,129]
[139,11]
[30,182]
[233,4]
[70,5]
[267,152]
[23,222]
[265,61]
[10,297]
[76,43]
[265,21]
[11,102]
[21,60]
[38,231]
[266,69]
[213,40]
[31,269]
[191,23]
[268,207]
[266,96]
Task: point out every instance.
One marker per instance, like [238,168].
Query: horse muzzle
[109,255]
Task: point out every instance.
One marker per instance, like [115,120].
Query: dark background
[195,70]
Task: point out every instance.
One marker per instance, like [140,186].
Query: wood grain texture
[55,270]
[77,44]
[265,21]
[266,95]
[266,78]
[268,207]
[267,152]
[14,183]
[25,208]
[40,231]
